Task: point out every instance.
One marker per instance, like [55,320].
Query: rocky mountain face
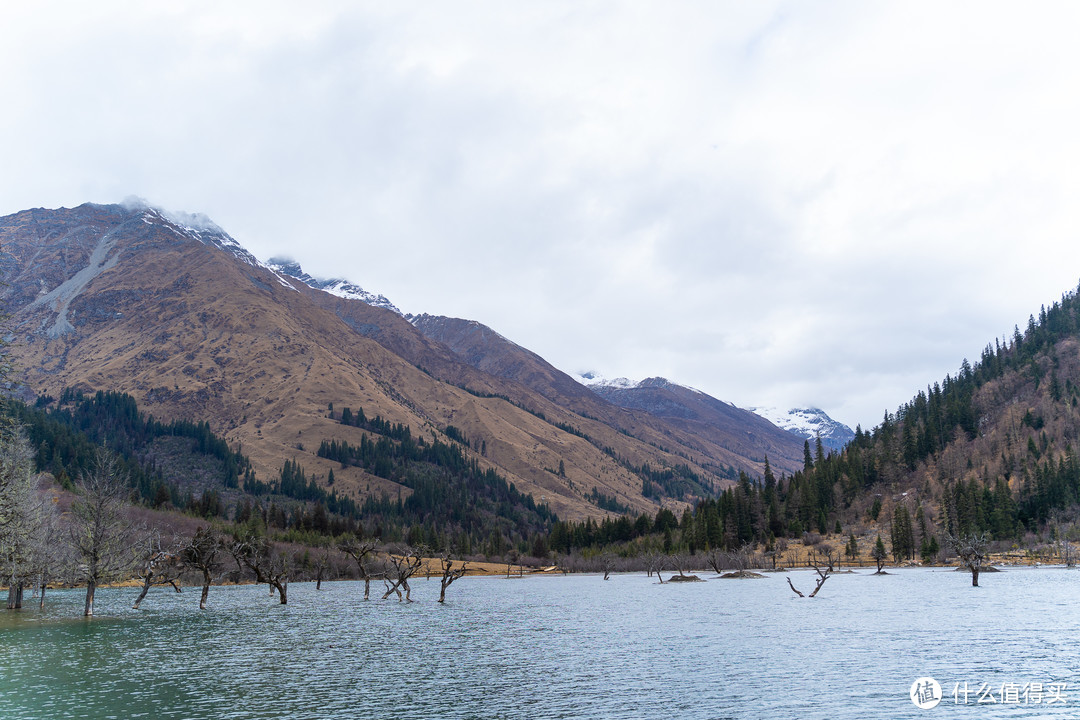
[173,311]
[809,423]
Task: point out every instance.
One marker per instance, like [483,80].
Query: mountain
[697,412]
[170,309]
[809,423]
[681,412]
[337,287]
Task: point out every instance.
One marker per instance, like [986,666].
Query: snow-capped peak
[592,380]
[808,423]
[194,226]
[338,287]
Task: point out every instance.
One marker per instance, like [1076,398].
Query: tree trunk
[205,590]
[283,589]
[367,587]
[91,588]
[41,603]
[145,589]
[974,577]
[318,583]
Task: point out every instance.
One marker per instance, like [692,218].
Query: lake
[558,647]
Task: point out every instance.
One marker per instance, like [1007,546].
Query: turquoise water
[553,647]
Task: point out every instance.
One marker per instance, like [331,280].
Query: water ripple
[548,647]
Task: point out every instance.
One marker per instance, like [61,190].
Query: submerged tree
[404,564]
[655,563]
[269,564]
[203,552]
[19,510]
[449,574]
[101,534]
[48,551]
[157,566]
[973,551]
[363,554]
[823,575]
[321,566]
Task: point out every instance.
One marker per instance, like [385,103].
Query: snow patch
[592,380]
[338,287]
[808,423]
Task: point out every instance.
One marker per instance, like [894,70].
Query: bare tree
[449,574]
[203,552]
[404,564]
[973,551]
[1067,552]
[321,565]
[19,510]
[157,566]
[681,562]
[48,551]
[101,535]
[823,575]
[1065,549]
[717,560]
[269,564]
[654,563]
[363,554]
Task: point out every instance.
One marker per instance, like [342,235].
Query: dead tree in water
[101,534]
[607,564]
[17,490]
[654,563]
[321,564]
[158,566]
[203,553]
[270,565]
[823,575]
[48,551]
[404,564]
[363,553]
[449,574]
[973,551]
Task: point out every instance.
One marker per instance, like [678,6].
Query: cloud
[775,202]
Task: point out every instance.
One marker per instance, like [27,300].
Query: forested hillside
[184,466]
[990,449]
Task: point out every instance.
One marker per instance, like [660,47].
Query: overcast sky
[779,203]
